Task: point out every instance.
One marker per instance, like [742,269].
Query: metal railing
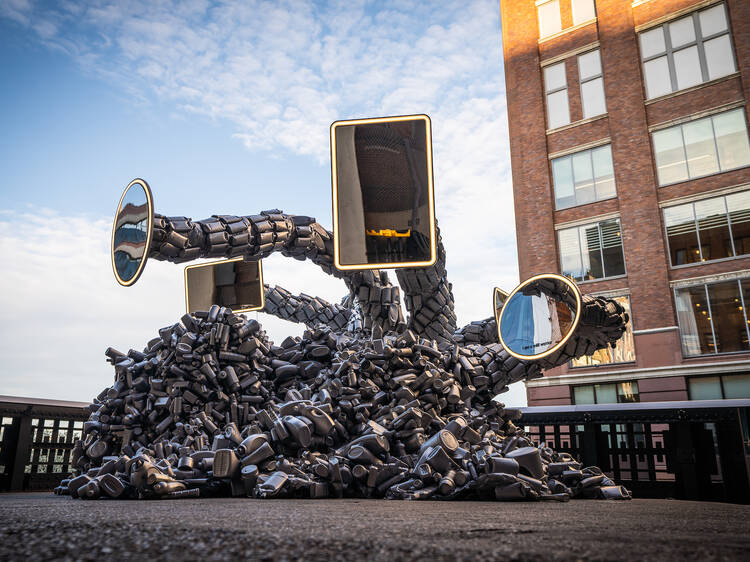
[689,450]
[696,450]
[36,440]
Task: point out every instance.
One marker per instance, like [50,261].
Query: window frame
[705,285]
[570,155]
[573,12]
[581,82]
[698,42]
[702,261]
[601,250]
[548,92]
[539,4]
[740,109]
[616,384]
[721,383]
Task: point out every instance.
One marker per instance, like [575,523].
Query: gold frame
[150,226]
[240,310]
[495,291]
[430,194]
[499,319]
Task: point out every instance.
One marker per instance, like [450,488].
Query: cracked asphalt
[41,526]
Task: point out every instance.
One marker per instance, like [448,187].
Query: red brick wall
[627,124]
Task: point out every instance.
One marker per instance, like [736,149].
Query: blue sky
[222,108]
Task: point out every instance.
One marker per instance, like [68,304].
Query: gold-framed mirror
[131,232]
[235,283]
[539,316]
[383,196]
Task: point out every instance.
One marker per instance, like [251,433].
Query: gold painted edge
[430,194]
[150,226]
[562,342]
[239,310]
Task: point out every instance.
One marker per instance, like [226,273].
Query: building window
[592,251]
[610,393]
[624,352]
[708,230]
[556,89]
[713,318]
[717,388]
[701,147]
[583,177]
[583,10]
[686,52]
[549,18]
[592,84]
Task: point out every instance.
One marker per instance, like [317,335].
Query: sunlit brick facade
[631,173]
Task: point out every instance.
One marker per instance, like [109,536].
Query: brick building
[631,173]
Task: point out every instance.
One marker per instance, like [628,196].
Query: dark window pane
[729,320]
[681,234]
[739,216]
[614,262]
[713,229]
[695,327]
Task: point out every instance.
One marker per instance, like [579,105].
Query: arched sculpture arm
[429,296]
[311,311]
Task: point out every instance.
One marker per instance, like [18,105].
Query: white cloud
[277,73]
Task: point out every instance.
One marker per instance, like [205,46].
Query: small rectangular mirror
[383,201]
[235,283]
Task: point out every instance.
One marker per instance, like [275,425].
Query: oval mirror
[131,232]
[539,316]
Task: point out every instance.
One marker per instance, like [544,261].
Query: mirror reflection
[235,283]
[130,235]
[540,315]
[383,197]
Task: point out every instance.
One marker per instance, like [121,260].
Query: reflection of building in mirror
[623,353]
[131,232]
[383,192]
[235,284]
[534,324]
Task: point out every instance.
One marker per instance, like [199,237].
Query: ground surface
[43,526]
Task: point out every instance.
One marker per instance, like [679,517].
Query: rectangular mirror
[383,202]
[235,283]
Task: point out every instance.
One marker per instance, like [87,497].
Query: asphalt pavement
[42,526]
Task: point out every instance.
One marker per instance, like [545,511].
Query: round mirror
[539,316]
[131,232]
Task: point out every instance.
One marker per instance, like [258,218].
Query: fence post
[23,448]
[734,469]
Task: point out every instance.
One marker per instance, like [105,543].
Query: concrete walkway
[45,527]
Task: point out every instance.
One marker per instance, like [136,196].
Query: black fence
[696,450]
[36,439]
[688,450]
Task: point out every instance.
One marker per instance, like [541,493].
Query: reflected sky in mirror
[131,232]
[382,180]
[534,321]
